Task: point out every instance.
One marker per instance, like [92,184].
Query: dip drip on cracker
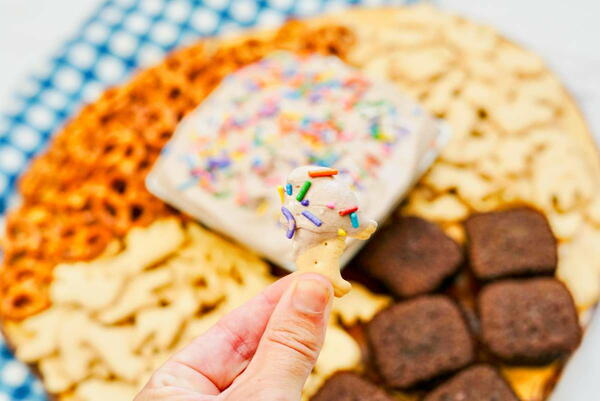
[319,211]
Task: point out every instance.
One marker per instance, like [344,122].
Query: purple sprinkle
[290,220]
[269,109]
[403,131]
[313,219]
[305,202]
[215,163]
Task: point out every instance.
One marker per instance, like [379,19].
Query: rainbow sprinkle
[322,173]
[305,202]
[354,220]
[290,220]
[331,205]
[303,190]
[348,211]
[250,130]
[313,219]
[281,193]
[342,232]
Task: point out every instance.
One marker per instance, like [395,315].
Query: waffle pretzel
[25,298]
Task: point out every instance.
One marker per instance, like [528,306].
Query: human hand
[262,351]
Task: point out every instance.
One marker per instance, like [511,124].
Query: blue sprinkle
[293,94]
[187,184]
[305,202]
[189,160]
[313,219]
[354,220]
[288,189]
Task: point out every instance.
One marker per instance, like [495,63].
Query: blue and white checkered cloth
[119,37]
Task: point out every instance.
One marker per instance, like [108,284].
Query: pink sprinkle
[331,205]
[272,180]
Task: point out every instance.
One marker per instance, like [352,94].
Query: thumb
[292,340]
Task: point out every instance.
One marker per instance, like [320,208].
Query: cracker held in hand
[319,211]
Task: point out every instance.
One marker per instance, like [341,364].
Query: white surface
[566,33]
[579,381]
[30,30]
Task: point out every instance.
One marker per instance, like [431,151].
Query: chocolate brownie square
[419,339]
[528,321]
[349,386]
[411,256]
[477,383]
[513,242]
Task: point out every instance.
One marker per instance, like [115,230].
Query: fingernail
[311,295]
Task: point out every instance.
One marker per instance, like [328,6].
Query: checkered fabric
[120,36]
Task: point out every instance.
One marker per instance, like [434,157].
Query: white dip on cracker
[319,211]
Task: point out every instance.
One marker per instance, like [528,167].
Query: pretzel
[23,299]
[122,150]
[24,269]
[120,205]
[83,242]
[334,40]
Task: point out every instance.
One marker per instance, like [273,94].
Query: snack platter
[504,221]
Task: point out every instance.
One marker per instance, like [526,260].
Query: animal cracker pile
[517,136]
[116,319]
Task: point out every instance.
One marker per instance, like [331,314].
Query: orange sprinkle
[322,173]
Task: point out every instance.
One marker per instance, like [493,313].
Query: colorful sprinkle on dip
[228,160]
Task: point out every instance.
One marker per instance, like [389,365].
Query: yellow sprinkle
[280,190]
[262,208]
[341,232]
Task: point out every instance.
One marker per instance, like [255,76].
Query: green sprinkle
[303,190]
[223,194]
[375,130]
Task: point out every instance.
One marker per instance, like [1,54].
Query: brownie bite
[530,321]
[417,340]
[411,256]
[349,386]
[513,242]
[477,383]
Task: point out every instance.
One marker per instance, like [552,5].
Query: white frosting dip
[227,157]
